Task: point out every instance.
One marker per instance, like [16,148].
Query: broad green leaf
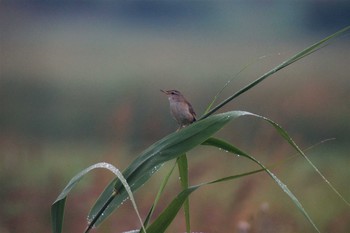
[168,148]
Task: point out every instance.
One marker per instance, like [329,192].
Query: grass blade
[309,50]
[230,148]
[183,172]
[160,192]
[168,215]
[57,213]
[285,135]
[230,80]
[57,208]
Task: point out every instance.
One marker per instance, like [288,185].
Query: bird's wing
[192,111]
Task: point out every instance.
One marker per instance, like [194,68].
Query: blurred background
[79,84]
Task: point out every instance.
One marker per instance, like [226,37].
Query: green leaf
[309,50]
[172,147]
[167,216]
[57,213]
[183,171]
[228,147]
[57,208]
[160,192]
[285,135]
[148,162]
[229,81]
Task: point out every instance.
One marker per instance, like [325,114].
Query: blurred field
[80,85]
[31,180]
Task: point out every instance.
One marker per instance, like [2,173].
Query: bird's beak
[165,92]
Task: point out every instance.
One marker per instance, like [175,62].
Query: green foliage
[183,171]
[175,146]
[57,209]
[168,148]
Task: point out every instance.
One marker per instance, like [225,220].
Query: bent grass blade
[230,148]
[57,209]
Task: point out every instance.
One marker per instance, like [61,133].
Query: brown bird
[180,108]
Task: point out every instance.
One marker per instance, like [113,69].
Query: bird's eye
[173,93]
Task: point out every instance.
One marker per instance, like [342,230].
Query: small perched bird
[180,108]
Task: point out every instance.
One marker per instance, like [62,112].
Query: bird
[181,110]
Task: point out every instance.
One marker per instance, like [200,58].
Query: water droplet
[132,231]
[89,219]
[156,168]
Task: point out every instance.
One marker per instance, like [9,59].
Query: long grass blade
[162,223]
[309,50]
[57,208]
[159,194]
[169,213]
[184,180]
[285,135]
[230,80]
[230,148]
